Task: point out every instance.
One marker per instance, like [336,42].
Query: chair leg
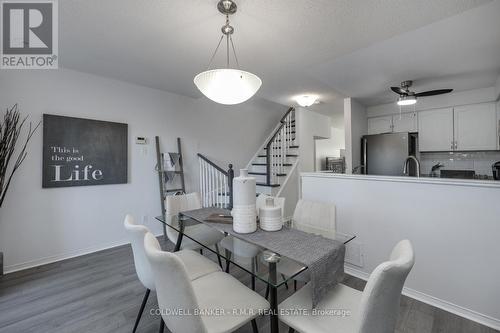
[218,256]
[295,285]
[291,330]
[162,325]
[284,279]
[254,326]
[141,310]
[254,263]
[228,262]
[201,251]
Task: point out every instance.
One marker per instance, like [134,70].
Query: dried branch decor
[10,130]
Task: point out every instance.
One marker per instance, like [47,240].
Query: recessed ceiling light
[306,100]
[407,100]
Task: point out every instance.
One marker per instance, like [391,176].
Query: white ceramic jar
[244,215]
[270,216]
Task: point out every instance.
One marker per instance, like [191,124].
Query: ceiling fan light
[227,86]
[306,100]
[407,100]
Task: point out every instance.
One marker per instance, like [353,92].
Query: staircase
[272,166]
[275,160]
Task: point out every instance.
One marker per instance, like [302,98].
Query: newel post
[230,177]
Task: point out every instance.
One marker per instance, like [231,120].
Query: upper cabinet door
[379,125]
[406,122]
[476,127]
[435,130]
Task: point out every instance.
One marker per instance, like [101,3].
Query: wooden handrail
[229,173]
[270,142]
[214,165]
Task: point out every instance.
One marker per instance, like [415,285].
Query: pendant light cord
[215,52]
[229,39]
[234,52]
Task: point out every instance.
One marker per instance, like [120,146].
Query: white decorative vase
[270,216]
[244,215]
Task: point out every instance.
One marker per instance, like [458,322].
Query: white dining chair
[175,204]
[313,217]
[196,265]
[202,298]
[375,310]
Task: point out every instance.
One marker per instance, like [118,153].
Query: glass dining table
[259,262]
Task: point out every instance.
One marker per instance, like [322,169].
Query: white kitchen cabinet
[435,130]
[406,122]
[475,127]
[379,125]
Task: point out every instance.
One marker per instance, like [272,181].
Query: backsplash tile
[480,162]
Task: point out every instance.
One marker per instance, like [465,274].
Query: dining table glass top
[260,262]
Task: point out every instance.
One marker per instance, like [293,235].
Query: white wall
[310,125]
[331,147]
[498,87]
[42,225]
[454,230]
[291,192]
[355,127]
[441,101]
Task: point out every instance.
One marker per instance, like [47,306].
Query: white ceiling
[329,47]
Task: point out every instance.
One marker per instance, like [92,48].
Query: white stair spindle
[202,189]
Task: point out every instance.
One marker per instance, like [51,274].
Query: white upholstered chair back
[278,201]
[173,289]
[174,204]
[315,217]
[136,233]
[380,301]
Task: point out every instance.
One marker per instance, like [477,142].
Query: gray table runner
[324,257]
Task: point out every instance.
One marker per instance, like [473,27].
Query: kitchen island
[453,224]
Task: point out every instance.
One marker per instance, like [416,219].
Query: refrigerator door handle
[365,157]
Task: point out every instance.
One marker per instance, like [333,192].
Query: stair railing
[278,147]
[216,184]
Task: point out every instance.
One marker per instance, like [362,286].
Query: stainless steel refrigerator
[385,154]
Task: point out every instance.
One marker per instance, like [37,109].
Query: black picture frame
[83,152]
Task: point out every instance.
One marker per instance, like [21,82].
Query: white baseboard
[63,256]
[437,302]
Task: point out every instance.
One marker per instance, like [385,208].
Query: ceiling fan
[407,97]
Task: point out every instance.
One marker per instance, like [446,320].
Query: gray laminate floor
[100,292]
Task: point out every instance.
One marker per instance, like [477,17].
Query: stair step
[290,147]
[287,155]
[264,174]
[268,185]
[265,164]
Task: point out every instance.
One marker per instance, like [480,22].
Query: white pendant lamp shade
[227,86]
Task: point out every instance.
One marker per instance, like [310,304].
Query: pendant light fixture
[227,85]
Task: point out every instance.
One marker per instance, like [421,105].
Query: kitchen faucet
[405,165]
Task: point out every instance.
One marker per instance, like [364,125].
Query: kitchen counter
[453,224]
[421,180]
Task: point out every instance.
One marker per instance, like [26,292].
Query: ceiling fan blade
[434,92]
[399,91]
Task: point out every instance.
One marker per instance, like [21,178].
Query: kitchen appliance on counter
[385,154]
[458,174]
[335,164]
[496,170]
